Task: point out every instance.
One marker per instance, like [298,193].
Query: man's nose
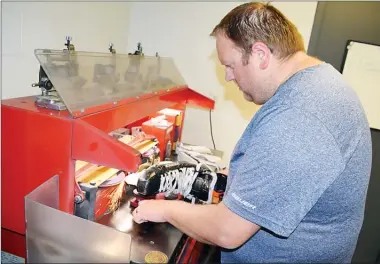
[229,76]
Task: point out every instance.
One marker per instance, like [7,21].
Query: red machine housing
[38,143]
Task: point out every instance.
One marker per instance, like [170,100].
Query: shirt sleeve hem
[263,222]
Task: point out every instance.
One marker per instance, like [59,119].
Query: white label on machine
[10,258]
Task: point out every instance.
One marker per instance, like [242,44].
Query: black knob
[46,84]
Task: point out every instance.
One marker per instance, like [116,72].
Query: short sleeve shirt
[300,171]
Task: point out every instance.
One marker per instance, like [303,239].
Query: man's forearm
[200,222]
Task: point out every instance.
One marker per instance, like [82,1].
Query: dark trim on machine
[14,232]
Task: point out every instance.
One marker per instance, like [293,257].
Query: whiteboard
[362,71]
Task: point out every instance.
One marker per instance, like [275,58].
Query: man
[298,176]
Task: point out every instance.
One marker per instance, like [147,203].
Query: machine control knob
[44,83]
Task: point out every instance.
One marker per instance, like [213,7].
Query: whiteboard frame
[346,49]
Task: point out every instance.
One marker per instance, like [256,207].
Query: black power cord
[212,135]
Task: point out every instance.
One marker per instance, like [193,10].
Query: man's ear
[262,54]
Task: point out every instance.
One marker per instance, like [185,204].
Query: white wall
[175,29]
[181,30]
[31,25]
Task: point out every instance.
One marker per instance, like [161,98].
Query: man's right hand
[224,171]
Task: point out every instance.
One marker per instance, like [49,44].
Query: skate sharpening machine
[90,116]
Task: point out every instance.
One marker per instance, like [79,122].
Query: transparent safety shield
[54,236]
[88,79]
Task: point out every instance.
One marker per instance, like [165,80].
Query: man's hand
[150,211]
[212,224]
[224,171]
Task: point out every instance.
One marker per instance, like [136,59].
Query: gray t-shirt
[301,172]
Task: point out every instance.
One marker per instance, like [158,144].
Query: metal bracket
[86,208]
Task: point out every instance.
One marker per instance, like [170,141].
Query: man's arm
[211,224]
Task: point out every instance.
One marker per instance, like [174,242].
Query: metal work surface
[147,237]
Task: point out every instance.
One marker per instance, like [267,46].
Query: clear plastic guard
[53,236]
[88,79]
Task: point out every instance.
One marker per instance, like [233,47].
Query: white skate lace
[179,180]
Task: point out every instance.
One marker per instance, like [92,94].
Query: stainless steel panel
[54,236]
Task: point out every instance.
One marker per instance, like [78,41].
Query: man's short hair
[259,22]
